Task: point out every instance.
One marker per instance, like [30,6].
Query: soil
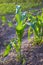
[32,54]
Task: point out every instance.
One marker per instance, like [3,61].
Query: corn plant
[20,26]
[36,24]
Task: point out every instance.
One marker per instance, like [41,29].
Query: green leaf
[18,9]
[3,20]
[29,32]
[10,24]
[7,50]
[17,17]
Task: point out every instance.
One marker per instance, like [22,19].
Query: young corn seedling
[20,26]
[37,27]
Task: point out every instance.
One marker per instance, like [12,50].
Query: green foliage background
[8,6]
[20,1]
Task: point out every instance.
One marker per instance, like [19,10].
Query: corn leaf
[10,24]
[3,20]
[7,50]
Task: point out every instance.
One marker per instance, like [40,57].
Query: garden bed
[20,50]
[33,55]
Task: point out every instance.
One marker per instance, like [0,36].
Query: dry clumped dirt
[33,55]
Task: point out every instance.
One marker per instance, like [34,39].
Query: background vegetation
[20,1]
[8,6]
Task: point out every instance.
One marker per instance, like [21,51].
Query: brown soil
[33,55]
